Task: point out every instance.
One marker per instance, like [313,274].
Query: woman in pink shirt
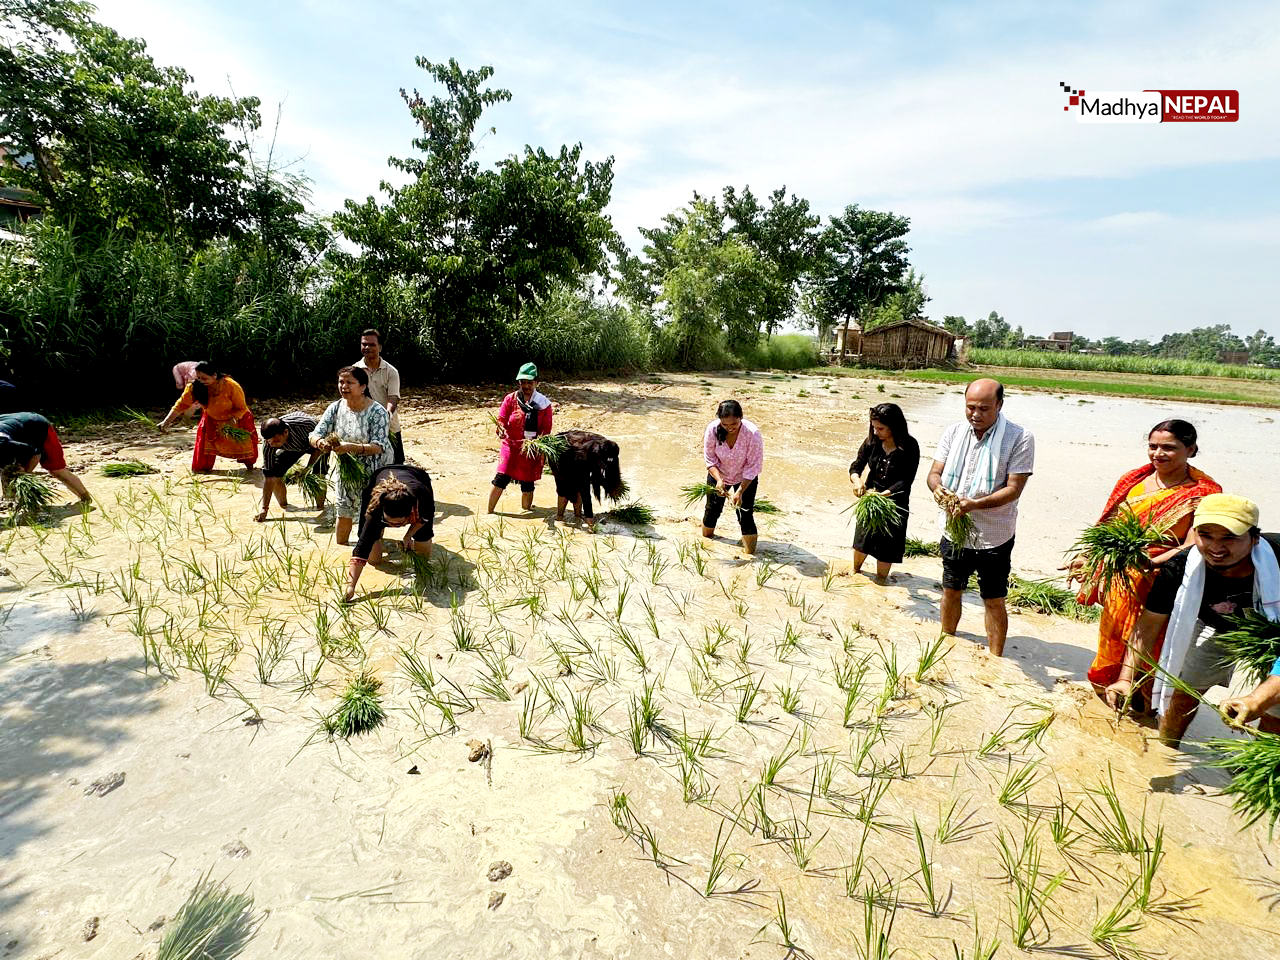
[734,451]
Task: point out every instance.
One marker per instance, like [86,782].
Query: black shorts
[500,480]
[991,565]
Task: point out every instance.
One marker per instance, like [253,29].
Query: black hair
[727,408]
[361,375]
[200,391]
[1182,431]
[891,415]
[372,333]
[273,427]
[392,497]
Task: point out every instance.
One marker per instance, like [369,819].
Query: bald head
[982,401]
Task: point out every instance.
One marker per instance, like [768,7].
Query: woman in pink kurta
[734,453]
[524,414]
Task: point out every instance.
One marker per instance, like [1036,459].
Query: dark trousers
[746,507]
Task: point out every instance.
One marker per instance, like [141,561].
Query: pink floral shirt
[740,463]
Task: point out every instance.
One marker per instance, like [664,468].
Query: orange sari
[1124,602]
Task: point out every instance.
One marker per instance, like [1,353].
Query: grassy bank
[1145,366]
[1194,389]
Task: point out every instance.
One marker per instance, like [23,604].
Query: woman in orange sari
[226,429]
[1166,490]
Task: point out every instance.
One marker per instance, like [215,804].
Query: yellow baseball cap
[1237,514]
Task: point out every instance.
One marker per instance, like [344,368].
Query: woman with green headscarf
[525,413]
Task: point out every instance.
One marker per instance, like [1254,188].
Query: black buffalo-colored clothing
[22,436]
[373,527]
[589,462]
[298,428]
[746,509]
[1224,597]
[892,473]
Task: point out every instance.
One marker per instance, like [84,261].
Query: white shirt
[384,385]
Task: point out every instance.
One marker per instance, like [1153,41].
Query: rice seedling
[1252,644]
[232,432]
[829,573]
[632,645]
[764,505]
[785,930]
[1032,892]
[937,714]
[982,949]
[529,717]
[788,643]
[1033,731]
[582,720]
[212,924]
[359,708]
[493,682]
[875,513]
[549,448]
[1255,776]
[127,468]
[748,694]
[693,782]
[310,482]
[352,472]
[1103,817]
[877,929]
[765,572]
[721,860]
[934,898]
[931,657]
[637,513]
[775,764]
[1018,784]
[919,548]
[28,495]
[1116,549]
[1114,932]
[954,821]
[789,697]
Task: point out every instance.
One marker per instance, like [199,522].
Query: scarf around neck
[530,410]
[985,478]
[1186,612]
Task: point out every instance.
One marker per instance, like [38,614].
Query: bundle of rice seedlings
[1252,644]
[1115,549]
[311,483]
[127,468]
[694,492]
[914,547]
[876,513]
[1045,596]
[1255,776]
[213,924]
[765,505]
[621,493]
[548,447]
[137,416]
[232,432]
[28,495]
[636,512]
[359,708]
[959,526]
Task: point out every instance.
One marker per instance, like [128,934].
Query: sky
[948,113]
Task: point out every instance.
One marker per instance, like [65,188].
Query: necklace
[1161,485]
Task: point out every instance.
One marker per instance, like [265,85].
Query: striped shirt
[740,463]
[993,527]
[298,427]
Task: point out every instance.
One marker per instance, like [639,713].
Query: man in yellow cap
[1232,567]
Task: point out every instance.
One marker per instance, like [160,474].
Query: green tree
[118,143]
[862,260]
[907,304]
[470,246]
[957,325]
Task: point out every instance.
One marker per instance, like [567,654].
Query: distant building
[1060,341]
[906,343]
[17,206]
[1240,357]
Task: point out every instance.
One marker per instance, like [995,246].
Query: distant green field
[1253,392]
[1155,366]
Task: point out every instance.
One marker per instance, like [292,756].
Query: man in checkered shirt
[985,460]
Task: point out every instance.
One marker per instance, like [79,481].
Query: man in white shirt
[985,461]
[384,385]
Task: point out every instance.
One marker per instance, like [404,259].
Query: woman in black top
[891,456]
[395,495]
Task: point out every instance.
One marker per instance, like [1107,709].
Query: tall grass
[783,351]
[1152,366]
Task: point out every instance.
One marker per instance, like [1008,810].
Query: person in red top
[525,413]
